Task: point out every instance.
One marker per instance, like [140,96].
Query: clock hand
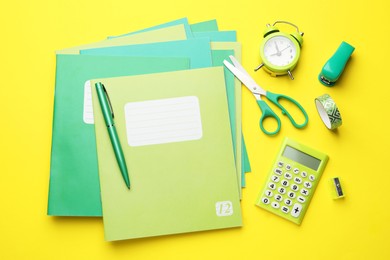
[285,48]
[280,52]
[277,49]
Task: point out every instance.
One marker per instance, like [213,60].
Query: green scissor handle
[274,98]
[267,112]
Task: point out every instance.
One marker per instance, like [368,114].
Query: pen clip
[109,101]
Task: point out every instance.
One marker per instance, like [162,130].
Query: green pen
[108,115]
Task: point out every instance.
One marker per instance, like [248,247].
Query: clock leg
[259,67]
[290,74]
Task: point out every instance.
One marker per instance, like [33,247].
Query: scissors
[258,91]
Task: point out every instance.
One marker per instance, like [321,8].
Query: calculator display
[302,158]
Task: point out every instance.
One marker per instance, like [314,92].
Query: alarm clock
[280,51]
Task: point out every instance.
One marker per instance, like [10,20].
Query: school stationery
[218,36]
[236,47]
[181,21]
[337,190]
[200,54]
[334,67]
[224,37]
[258,91]
[74,185]
[179,152]
[218,57]
[240,153]
[197,50]
[292,181]
[205,26]
[280,51]
[224,49]
[172,33]
[108,114]
[246,166]
[328,111]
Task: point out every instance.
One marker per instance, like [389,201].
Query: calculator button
[269,193]
[312,177]
[307,184]
[294,187]
[296,210]
[304,192]
[278,171]
[278,197]
[288,176]
[288,202]
[304,174]
[281,190]
[301,199]
[288,167]
[297,180]
[291,194]
[296,170]
[285,209]
[275,178]
[275,205]
[265,200]
[280,164]
[285,183]
[272,186]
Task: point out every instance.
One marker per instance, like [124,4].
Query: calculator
[292,181]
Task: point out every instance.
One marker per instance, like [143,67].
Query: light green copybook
[197,50]
[182,21]
[237,49]
[74,184]
[172,33]
[175,135]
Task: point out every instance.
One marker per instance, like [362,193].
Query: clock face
[280,51]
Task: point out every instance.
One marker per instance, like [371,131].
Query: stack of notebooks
[178,116]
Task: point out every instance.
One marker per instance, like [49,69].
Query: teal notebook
[204,26]
[197,50]
[218,36]
[183,21]
[74,185]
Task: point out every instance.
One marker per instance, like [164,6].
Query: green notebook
[205,26]
[175,134]
[171,33]
[182,21]
[197,50]
[74,184]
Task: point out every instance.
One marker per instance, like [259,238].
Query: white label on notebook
[224,208]
[88,108]
[163,121]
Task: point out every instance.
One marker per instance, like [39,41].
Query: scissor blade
[239,66]
[247,81]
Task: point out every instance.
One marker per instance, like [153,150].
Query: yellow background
[356,227]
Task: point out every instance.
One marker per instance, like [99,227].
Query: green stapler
[333,68]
